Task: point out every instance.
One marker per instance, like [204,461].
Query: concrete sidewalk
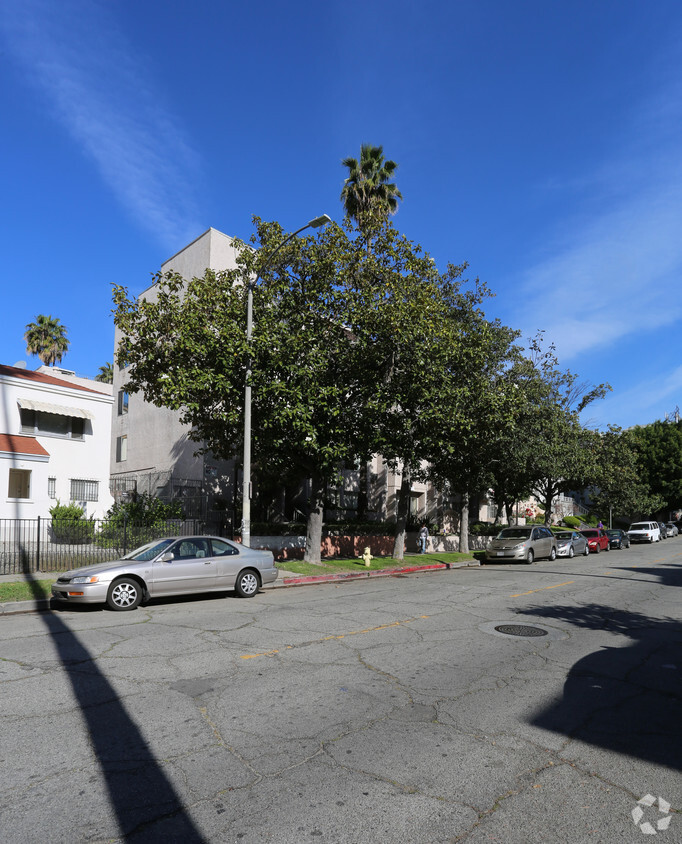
[286,578]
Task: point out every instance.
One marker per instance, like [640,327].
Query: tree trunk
[313,539]
[401,522]
[361,511]
[509,507]
[464,524]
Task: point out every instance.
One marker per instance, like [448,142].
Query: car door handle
[207,563]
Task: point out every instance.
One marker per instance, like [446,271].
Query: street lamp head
[320,221]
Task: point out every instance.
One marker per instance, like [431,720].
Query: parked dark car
[597,540]
[618,538]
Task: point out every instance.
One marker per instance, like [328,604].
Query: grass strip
[335,565]
[22,591]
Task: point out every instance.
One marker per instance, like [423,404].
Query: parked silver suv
[523,542]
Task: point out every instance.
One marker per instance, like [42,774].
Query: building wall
[86,459]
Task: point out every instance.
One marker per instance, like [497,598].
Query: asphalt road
[379,711]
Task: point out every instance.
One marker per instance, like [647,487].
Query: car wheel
[608,547]
[124,594]
[571,552]
[246,584]
[587,550]
[552,555]
[530,556]
[597,549]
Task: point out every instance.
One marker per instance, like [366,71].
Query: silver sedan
[570,542]
[180,565]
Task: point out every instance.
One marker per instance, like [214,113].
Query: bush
[572,522]
[69,524]
[138,521]
[484,529]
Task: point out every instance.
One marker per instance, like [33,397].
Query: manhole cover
[520,630]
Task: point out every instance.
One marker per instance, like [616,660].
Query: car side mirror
[166,557]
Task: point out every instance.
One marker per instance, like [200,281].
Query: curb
[16,607]
[352,575]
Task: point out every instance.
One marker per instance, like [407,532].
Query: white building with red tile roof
[55,436]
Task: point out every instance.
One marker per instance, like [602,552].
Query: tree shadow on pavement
[625,699]
[146,805]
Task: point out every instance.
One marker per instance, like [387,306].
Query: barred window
[82,490]
[51,487]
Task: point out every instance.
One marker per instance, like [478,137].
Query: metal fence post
[38,547]
[125,535]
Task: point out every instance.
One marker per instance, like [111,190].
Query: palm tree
[105,374]
[368,195]
[46,337]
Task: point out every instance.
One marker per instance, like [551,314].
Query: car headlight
[520,545]
[85,579]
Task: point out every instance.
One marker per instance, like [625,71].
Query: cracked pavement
[377,711]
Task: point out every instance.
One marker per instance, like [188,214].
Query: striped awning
[59,409]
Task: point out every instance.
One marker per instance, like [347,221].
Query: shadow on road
[144,801]
[625,699]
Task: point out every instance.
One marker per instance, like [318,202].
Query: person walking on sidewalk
[423,538]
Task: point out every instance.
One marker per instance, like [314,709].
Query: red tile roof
[19,444]
[41,378]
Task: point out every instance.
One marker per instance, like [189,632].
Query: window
[121,449]
[51,487]
[84,490]
[19,483]
[122,402]
[37,422]
[223,549]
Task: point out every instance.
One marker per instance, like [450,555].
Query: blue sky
[539,141]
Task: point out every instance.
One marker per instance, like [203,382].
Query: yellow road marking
[340,636]
[542,589]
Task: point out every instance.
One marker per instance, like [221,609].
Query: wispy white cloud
[99,89]
[648,399]
[612,264]
[616,274]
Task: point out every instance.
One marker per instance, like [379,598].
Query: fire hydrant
[367,556]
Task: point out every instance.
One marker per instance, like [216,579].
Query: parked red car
[597,540]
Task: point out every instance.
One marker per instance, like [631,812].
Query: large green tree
[313,363]
[618,490]
[659,460]
[46,337]
[369,198]
[547,451]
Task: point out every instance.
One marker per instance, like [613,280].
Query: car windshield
[514,533]
[613,532]
[590,533]
[147,552]
[564,534]
[640,526]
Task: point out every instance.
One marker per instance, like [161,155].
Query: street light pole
[246,490]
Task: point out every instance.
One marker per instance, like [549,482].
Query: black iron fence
[42,544]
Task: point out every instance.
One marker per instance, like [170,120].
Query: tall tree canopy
[46,337]
[348,349]
[368,195]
